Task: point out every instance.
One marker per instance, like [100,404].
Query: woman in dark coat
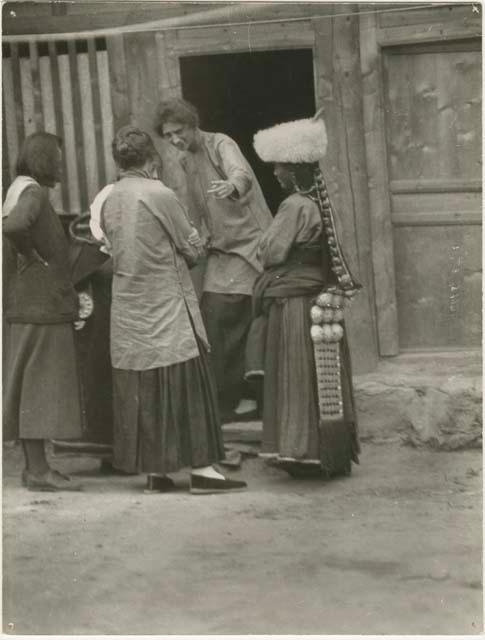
[41,388]
[165,408]
[309,423]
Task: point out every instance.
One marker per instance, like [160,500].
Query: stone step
[431,399]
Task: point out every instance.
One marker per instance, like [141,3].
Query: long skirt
[40,383]
[227,318]
[166,418]
[92,344]
[291,421]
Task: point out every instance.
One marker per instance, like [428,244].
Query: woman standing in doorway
[41,387]
[309,425]
[165,407]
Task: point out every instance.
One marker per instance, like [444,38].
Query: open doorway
[240,93]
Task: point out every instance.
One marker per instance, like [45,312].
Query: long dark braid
[340,268]
[309,181]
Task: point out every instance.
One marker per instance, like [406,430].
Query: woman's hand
[195,240]
[222,188]
[105,247]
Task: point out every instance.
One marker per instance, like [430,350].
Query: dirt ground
[393,549]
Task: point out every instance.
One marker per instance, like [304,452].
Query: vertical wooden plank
[50,125]
[68,134]
[97,114]
[78,128]
[343,54]
[106,115]
[428,119]
[169,83]
[17,91]
[27,96]
[169,86]
[379,200]
[173,66]
[11,140]
[118,81]
[338,91]
[36,90]
[354,173]
[142,70]
[398,120]
[6,174]
[325,97]
[59,121]
[90,159]
[164,88]
[47,95]
[466,106]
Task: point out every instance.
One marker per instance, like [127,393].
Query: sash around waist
[301,275]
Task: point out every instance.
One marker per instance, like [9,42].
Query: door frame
[346,181]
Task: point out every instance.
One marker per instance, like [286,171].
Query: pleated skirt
[41,397]
[291,419]
[166,418]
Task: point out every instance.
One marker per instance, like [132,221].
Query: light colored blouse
[154,311]
[234,225]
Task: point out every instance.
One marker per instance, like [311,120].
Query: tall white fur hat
[296,141]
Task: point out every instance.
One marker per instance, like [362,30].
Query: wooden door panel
[433,130]
[438,286]
[434,113]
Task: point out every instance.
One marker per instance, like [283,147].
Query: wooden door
[432,103]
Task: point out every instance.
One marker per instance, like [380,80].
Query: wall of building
[393,86]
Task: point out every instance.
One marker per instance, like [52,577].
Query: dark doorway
[240,93]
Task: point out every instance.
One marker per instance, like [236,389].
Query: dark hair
[132,147]
[38,158]
[176,110]
[302,173]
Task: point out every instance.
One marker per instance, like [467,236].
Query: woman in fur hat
[297,339]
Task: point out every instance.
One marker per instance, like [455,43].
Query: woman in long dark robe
[309,422]
[40,382]
[165,408]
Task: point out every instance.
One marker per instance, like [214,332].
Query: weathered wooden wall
[401,93]
[62,88]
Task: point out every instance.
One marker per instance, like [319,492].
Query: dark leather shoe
[201,485]
[50,481]
[158,484]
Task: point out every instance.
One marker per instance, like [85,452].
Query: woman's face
[284,176]
[180,135]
